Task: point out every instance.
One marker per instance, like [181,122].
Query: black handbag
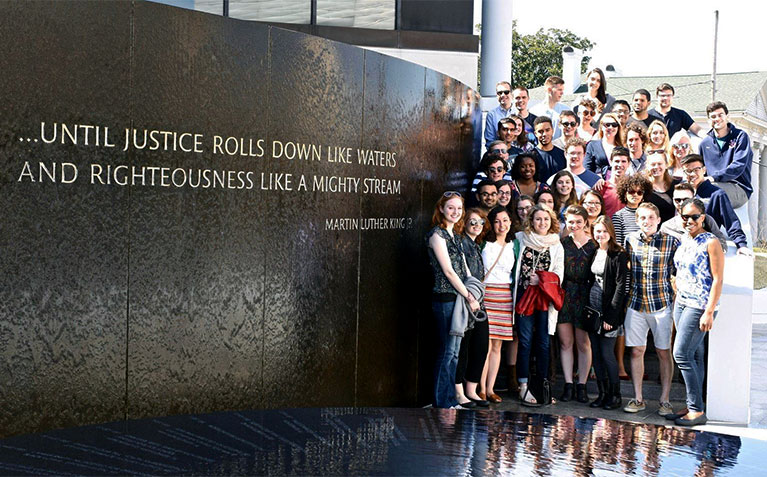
[592,319]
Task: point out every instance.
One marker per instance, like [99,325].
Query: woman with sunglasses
[656,168]
[498,257]
[587,112]
[450,272]
[609,269]
[680,148]
[524,176]
[473,354]
[597,92]
[699,262]
[600,148]
[632,191]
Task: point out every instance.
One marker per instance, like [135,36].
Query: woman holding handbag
[450,272]
[540,249]
[607,310]
[498,257]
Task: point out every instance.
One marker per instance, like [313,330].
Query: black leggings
[471,358]
[602,352]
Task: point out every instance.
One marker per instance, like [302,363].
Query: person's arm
[491,128]
[439,246]
[618,225]
[589,159]
[558,262]
[710,225]
[716,261]
[695,129]
[742,157]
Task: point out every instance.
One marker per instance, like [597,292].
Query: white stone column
[495,49]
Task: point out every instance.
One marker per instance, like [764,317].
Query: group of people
[597,224]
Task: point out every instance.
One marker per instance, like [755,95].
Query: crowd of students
[597,225]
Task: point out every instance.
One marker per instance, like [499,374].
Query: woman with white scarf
[540,249]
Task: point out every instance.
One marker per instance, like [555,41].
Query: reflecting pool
[380,441]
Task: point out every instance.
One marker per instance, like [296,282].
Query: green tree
[536,57]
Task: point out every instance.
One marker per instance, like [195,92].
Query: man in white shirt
[550,106]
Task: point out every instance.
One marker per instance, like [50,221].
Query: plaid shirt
[652,265]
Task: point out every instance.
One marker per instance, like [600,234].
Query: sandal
[526,396]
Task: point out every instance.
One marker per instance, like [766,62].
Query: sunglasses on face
[587,112]
[569,124]
[451,193]
[694,217]
[495,169]
[656,151]
[610,125]
[500,93]
[475,222]
[678,200]
[682,146]
[636,192]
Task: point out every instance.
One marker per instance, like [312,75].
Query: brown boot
[513,383]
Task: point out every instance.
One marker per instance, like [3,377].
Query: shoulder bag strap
[496,261]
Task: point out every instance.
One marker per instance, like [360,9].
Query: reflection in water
[380,441]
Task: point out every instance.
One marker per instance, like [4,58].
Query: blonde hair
[553,227]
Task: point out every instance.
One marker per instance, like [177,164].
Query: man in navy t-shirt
[640,103]
[551,159]
[675,119]
[584,178]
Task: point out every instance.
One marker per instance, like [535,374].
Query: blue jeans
[689,352]
[533,334]
[448,347]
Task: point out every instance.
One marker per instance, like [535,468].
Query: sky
[672,37]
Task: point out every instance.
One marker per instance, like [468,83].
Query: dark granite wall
[129,301]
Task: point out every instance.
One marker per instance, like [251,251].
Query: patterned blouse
[530,261]
[693,271]
[441,283]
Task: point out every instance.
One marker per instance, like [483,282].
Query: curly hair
[517,166]
[632,182]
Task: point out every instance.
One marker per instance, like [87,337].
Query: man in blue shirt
[551,159]
[503,91]
[717,203]
[727,155]
[675,119]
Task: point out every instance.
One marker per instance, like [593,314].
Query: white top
[502,271]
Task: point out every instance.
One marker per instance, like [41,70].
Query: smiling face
[695,173]
[543,132]
[474,224]
[634,196]
[502,224]
[656,164]
[634,142]
[679,197]
[647,220]
[520,99]
[527,168]
[692,219]
[541,222]
[609,128]
[523,208]
[640,103]
[620,165]
[507,133]
[520,128]
[681,148]
[503,92]
[593,81]
[623,112]
[575,223]
[504,195]
[586,114]
[503,149]
[575,158]
[601,234]
[657,136]
[452,210]
[592,205]
[564,186]
[495,170]
[717,119]
[664,98]
[488,196]
[568,124]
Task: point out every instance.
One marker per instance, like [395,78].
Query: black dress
[577,280]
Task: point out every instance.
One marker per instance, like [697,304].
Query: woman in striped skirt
[498,257]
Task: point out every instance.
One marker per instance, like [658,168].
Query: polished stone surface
[131,301]
[380,441]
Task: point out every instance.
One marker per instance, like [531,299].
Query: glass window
[377,14]
[279,11]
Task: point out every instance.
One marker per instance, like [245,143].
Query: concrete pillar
[760,164]
[495,50]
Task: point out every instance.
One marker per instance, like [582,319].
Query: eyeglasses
[523,208]
[569,124]
[636,192]
[495,169]
[681,146]
[507,129]
[451,193]
[591,204]
[621,112]
[488,194]
[504,193]
[610,125]
[692,171]
[499,93]
[588,112]
[474,222]
[694,217]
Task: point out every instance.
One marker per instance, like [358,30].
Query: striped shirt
[652,266]
[625,223]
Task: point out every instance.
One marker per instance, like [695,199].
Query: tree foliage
[536,57]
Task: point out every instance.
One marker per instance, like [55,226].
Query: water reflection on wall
[382,441]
